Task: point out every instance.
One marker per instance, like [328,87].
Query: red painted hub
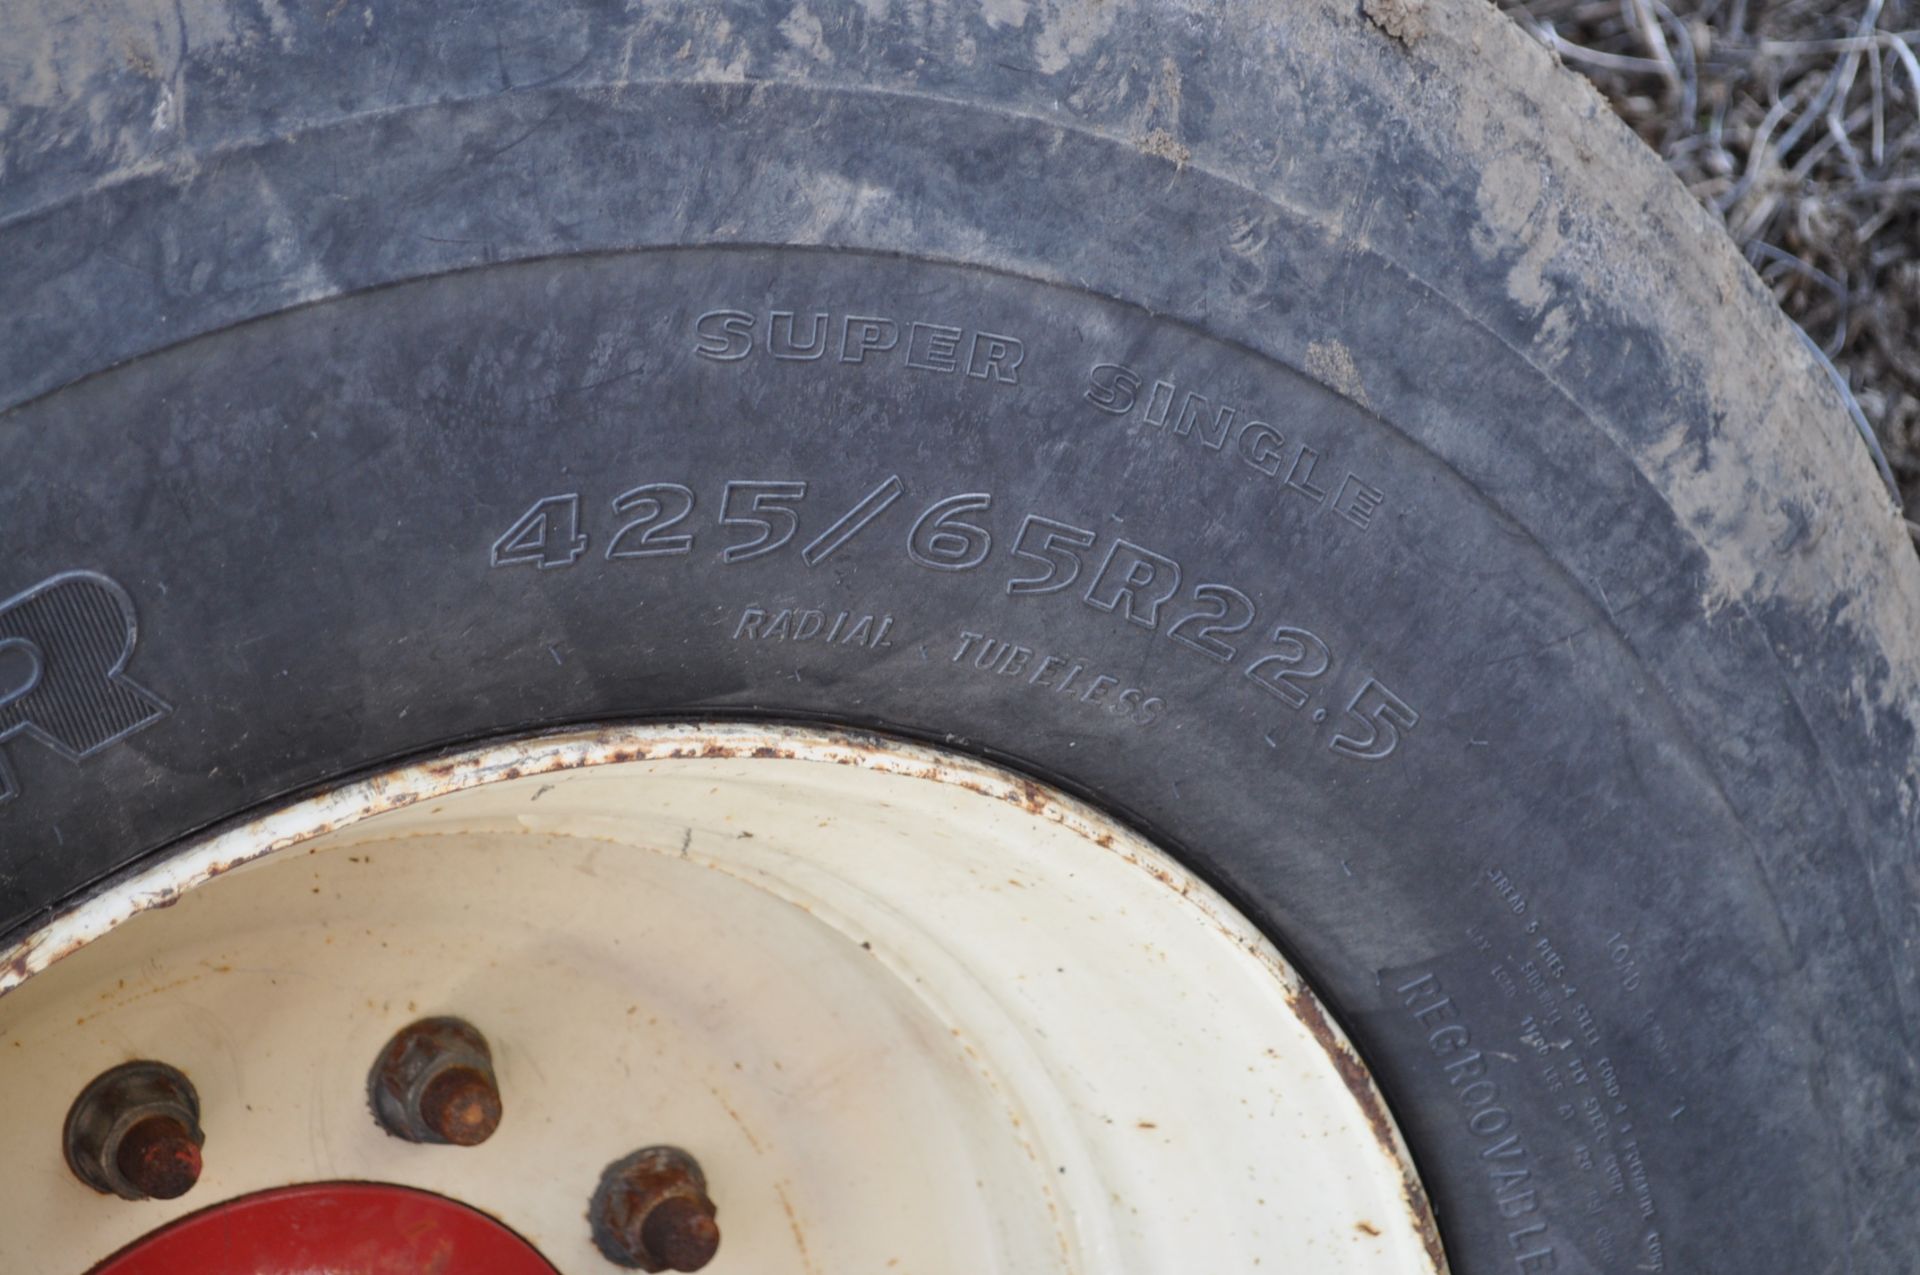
[333,1228]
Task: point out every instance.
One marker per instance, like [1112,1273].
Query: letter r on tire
[64,644]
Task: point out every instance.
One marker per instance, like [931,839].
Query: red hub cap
[335,1228]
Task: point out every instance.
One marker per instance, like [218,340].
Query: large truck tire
[1318,433]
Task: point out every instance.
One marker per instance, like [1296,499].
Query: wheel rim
[910,1011]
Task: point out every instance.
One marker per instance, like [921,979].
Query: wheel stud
[651,1211]
[434,1083]
[134,1132]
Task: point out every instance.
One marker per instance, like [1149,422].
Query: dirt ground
[1798,123]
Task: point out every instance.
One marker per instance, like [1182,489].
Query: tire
[1332,442]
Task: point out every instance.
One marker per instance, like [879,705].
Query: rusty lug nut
[434,1083]
[651,1211]
[134,1132]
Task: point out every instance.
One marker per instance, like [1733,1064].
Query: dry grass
[1798,123]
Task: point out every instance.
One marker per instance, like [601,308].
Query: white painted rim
[912,1012]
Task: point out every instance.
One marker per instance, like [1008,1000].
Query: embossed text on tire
[759,517]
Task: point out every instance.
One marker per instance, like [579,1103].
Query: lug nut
[134,1132]
[461,1105]
[434,1083]
[161,1156]
[651,1211]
